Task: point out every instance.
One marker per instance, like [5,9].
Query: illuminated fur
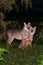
[17,34]
[25,35]
[28,41]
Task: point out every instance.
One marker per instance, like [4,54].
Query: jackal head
[27,26]
[32,30]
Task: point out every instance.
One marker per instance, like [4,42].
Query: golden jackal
[25,35]
[17,34]
[28,40]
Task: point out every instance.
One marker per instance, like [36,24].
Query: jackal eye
[28,27]
[31,30]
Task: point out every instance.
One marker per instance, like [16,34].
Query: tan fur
[29,39]
[25,35]
[17,34]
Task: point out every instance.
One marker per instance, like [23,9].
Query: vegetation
[27,3]
[16,56]
[7,4]
[40,60]
[2,50]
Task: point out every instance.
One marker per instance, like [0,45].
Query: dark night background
[13,19]
[32,13]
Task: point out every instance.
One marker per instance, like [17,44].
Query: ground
[28,56]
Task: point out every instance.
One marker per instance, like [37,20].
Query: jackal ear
[29,23]
[24,23]
[35,28]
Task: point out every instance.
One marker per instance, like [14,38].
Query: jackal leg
[22,45]
[28,42]
[10,40]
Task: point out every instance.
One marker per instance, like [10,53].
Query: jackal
[28,40]
[25,35]
[18,34]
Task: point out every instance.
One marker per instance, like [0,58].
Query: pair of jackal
[25,35]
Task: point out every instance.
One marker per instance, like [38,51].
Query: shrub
[2,50]
[40,60]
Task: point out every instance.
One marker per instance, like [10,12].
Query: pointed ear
[29,23]
[35,28]
[24,23]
